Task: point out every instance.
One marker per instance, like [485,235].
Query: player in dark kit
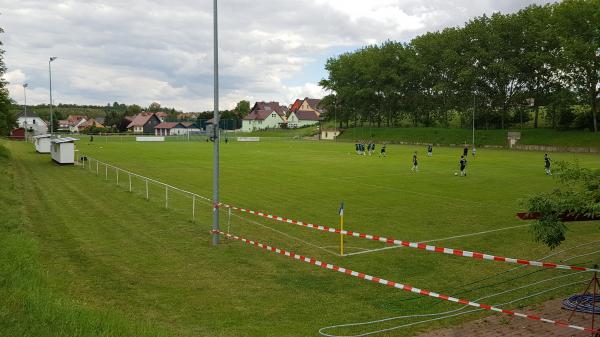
[466,151]
[463,166]
[382,152]
[429,150]
[547,164]
[415,167]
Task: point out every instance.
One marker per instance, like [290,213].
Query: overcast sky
[137,51]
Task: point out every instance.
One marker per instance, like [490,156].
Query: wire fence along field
[525,284]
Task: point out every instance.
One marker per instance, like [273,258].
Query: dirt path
[505,326]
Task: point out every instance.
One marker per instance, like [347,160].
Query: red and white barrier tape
[404,286]
[416,245]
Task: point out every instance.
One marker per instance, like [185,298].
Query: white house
[301,118]
[32,123]
[175,129]
[265,116]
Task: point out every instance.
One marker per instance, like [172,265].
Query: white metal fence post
[147,194]
[166,196]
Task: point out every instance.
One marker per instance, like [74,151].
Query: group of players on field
[370,149]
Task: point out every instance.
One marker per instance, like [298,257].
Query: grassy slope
[28,307]
[113,250]
[482,137]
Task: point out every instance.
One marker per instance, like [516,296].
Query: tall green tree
[577,23]
[8,119]
[242,109]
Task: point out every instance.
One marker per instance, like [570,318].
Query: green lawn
[482,137]
[102,249]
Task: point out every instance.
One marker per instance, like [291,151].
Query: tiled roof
[262,110]
[307,115]
[166,125]
[140,119]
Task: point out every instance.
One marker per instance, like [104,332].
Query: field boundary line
[415,245]
[402,286]
[441,239]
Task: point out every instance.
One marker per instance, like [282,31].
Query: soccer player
[382,152]
[474,151]
[357,148]
[415,167]
[463,166]
[372,149]
[547,164]
[466,151]
[429,150]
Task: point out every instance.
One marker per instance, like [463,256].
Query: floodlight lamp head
[53,58]
[25,85]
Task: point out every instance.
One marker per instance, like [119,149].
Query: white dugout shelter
[42,143]
[63,150]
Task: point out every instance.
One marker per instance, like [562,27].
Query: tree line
[542,60]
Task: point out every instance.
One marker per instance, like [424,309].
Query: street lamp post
[50,76]
[25,108]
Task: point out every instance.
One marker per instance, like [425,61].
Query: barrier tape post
[193,207]
[106,170]
[129,182]
[404,287]
[147,194]
[166,196]
[117,171]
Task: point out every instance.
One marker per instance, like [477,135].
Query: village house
[32,123]
[88,124]
[304,113]
[265,115]
[144,122]
[175,129]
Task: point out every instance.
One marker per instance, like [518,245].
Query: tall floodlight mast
[215,226]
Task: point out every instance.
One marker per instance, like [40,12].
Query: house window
[273,115]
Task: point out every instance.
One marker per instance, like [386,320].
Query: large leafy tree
[7,118]
[579,194]
[577,23]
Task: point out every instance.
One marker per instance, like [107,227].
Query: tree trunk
[535,118]
[594,93]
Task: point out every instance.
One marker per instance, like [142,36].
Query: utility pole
[50,76]
[215,226]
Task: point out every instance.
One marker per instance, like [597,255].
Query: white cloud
[140,51]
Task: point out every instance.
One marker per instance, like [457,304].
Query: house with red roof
[304,113]
[265,115]
[144,122]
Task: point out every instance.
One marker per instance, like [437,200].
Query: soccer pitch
[117,251]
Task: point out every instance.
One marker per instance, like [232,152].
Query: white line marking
[442,239]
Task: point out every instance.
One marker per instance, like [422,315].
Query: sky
[141,51]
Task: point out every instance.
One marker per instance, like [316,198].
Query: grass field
[132,267]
